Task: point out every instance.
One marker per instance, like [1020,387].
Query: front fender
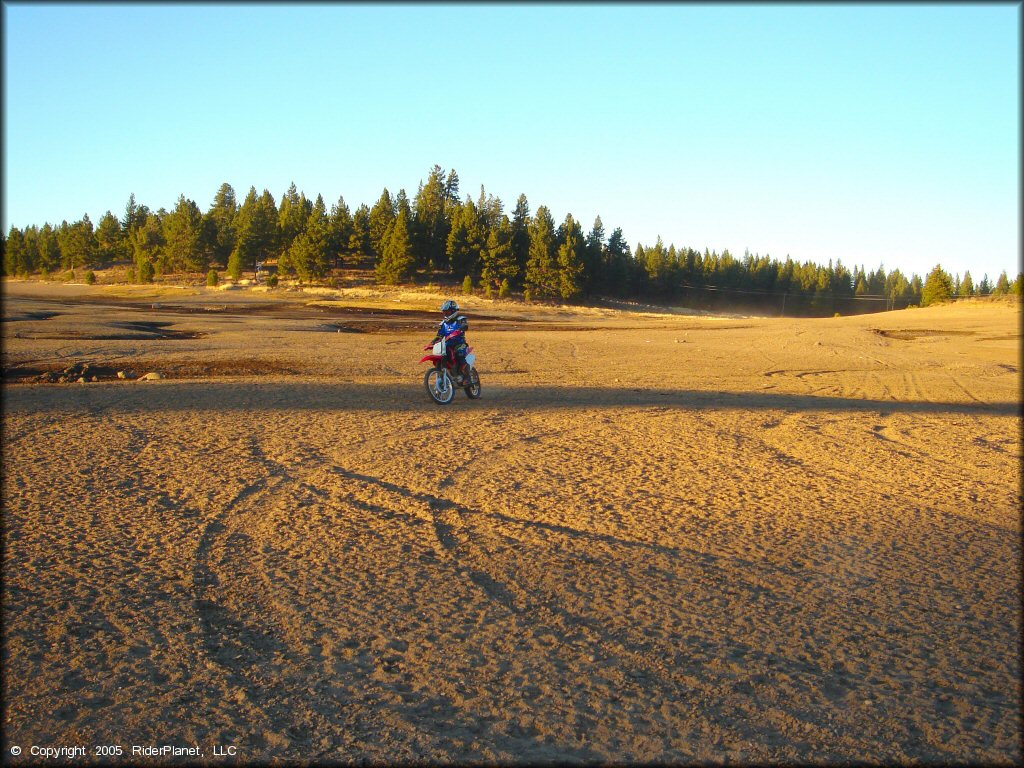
[433,359]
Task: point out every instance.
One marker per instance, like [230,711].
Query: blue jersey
[449,327]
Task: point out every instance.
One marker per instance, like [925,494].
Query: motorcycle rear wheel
[439,386]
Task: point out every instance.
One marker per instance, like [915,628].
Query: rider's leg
[456,362]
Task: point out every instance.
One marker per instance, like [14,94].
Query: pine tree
[640,273]
[110,238]
[916,290]
[967,285]
[256,233]
[431,221]
[135,216]
[382,216]
[318,210]
[402,205]
[14,252]
[823,300]
[266,227]
[617,264]
[182,230]
[236,261]
[938,287]
[593,261]
[32,249]
[842,280]
[467,240]
[222,213]
[291,217]
[243,253]
[674,269]
[490,210]
[340,229]
[309,252]
[521,233]
[570,261]
[397,261]
[359,242]
[130,210]
[656,264]
[898,290]
[451,188]
[478,221]
[1002,285]
[458,246]
[499,263]
[541,268]
[147,243]
[77,243]
[145,271]
[49,250]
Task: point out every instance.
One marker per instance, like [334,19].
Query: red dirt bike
[443,377]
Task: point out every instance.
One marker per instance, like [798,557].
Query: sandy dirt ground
[655,538]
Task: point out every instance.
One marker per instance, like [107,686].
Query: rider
[456,346]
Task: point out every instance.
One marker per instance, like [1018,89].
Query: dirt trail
[745,540]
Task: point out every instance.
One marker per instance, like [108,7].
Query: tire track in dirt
[960,385]
[538,611]
[250,633]
[646,666]
[245,650]
[902,447]
[509,444]
[227,639]
[961,537]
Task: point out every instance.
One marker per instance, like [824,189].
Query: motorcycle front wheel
[439,385]
[473,387]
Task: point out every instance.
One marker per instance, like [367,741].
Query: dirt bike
[443,377]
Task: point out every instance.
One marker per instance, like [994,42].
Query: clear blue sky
[884,134]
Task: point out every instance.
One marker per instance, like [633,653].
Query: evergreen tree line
[440,234]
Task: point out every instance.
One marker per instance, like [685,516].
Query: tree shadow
[281,395]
